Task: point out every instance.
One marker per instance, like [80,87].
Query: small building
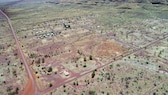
[66,73]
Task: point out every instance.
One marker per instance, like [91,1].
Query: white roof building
[66,73]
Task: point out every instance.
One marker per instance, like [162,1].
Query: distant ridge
[163,2]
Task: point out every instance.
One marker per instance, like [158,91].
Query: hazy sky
[3,1]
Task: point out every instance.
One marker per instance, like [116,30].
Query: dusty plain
[88,48]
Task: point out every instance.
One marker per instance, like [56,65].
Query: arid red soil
[91,45]
[108,49]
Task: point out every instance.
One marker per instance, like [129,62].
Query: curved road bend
[28,70]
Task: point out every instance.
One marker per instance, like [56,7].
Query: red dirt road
[29,89]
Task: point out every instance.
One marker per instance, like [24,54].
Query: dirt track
[31,87]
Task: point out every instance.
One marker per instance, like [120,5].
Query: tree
[84,65]
[64,85]
[108,77]
[77,83]
[79,52]
[74,83]
[90,57]
[14,73]
[32,55]
[93,74]
[76,65]
[111,66]
[85,59]
[50,69]
[16,91]
[92,92]
[129,57]
[118,65]
[43,60]
[154,93]
[50,85]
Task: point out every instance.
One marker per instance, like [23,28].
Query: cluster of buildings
[65,73]
[41,35]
